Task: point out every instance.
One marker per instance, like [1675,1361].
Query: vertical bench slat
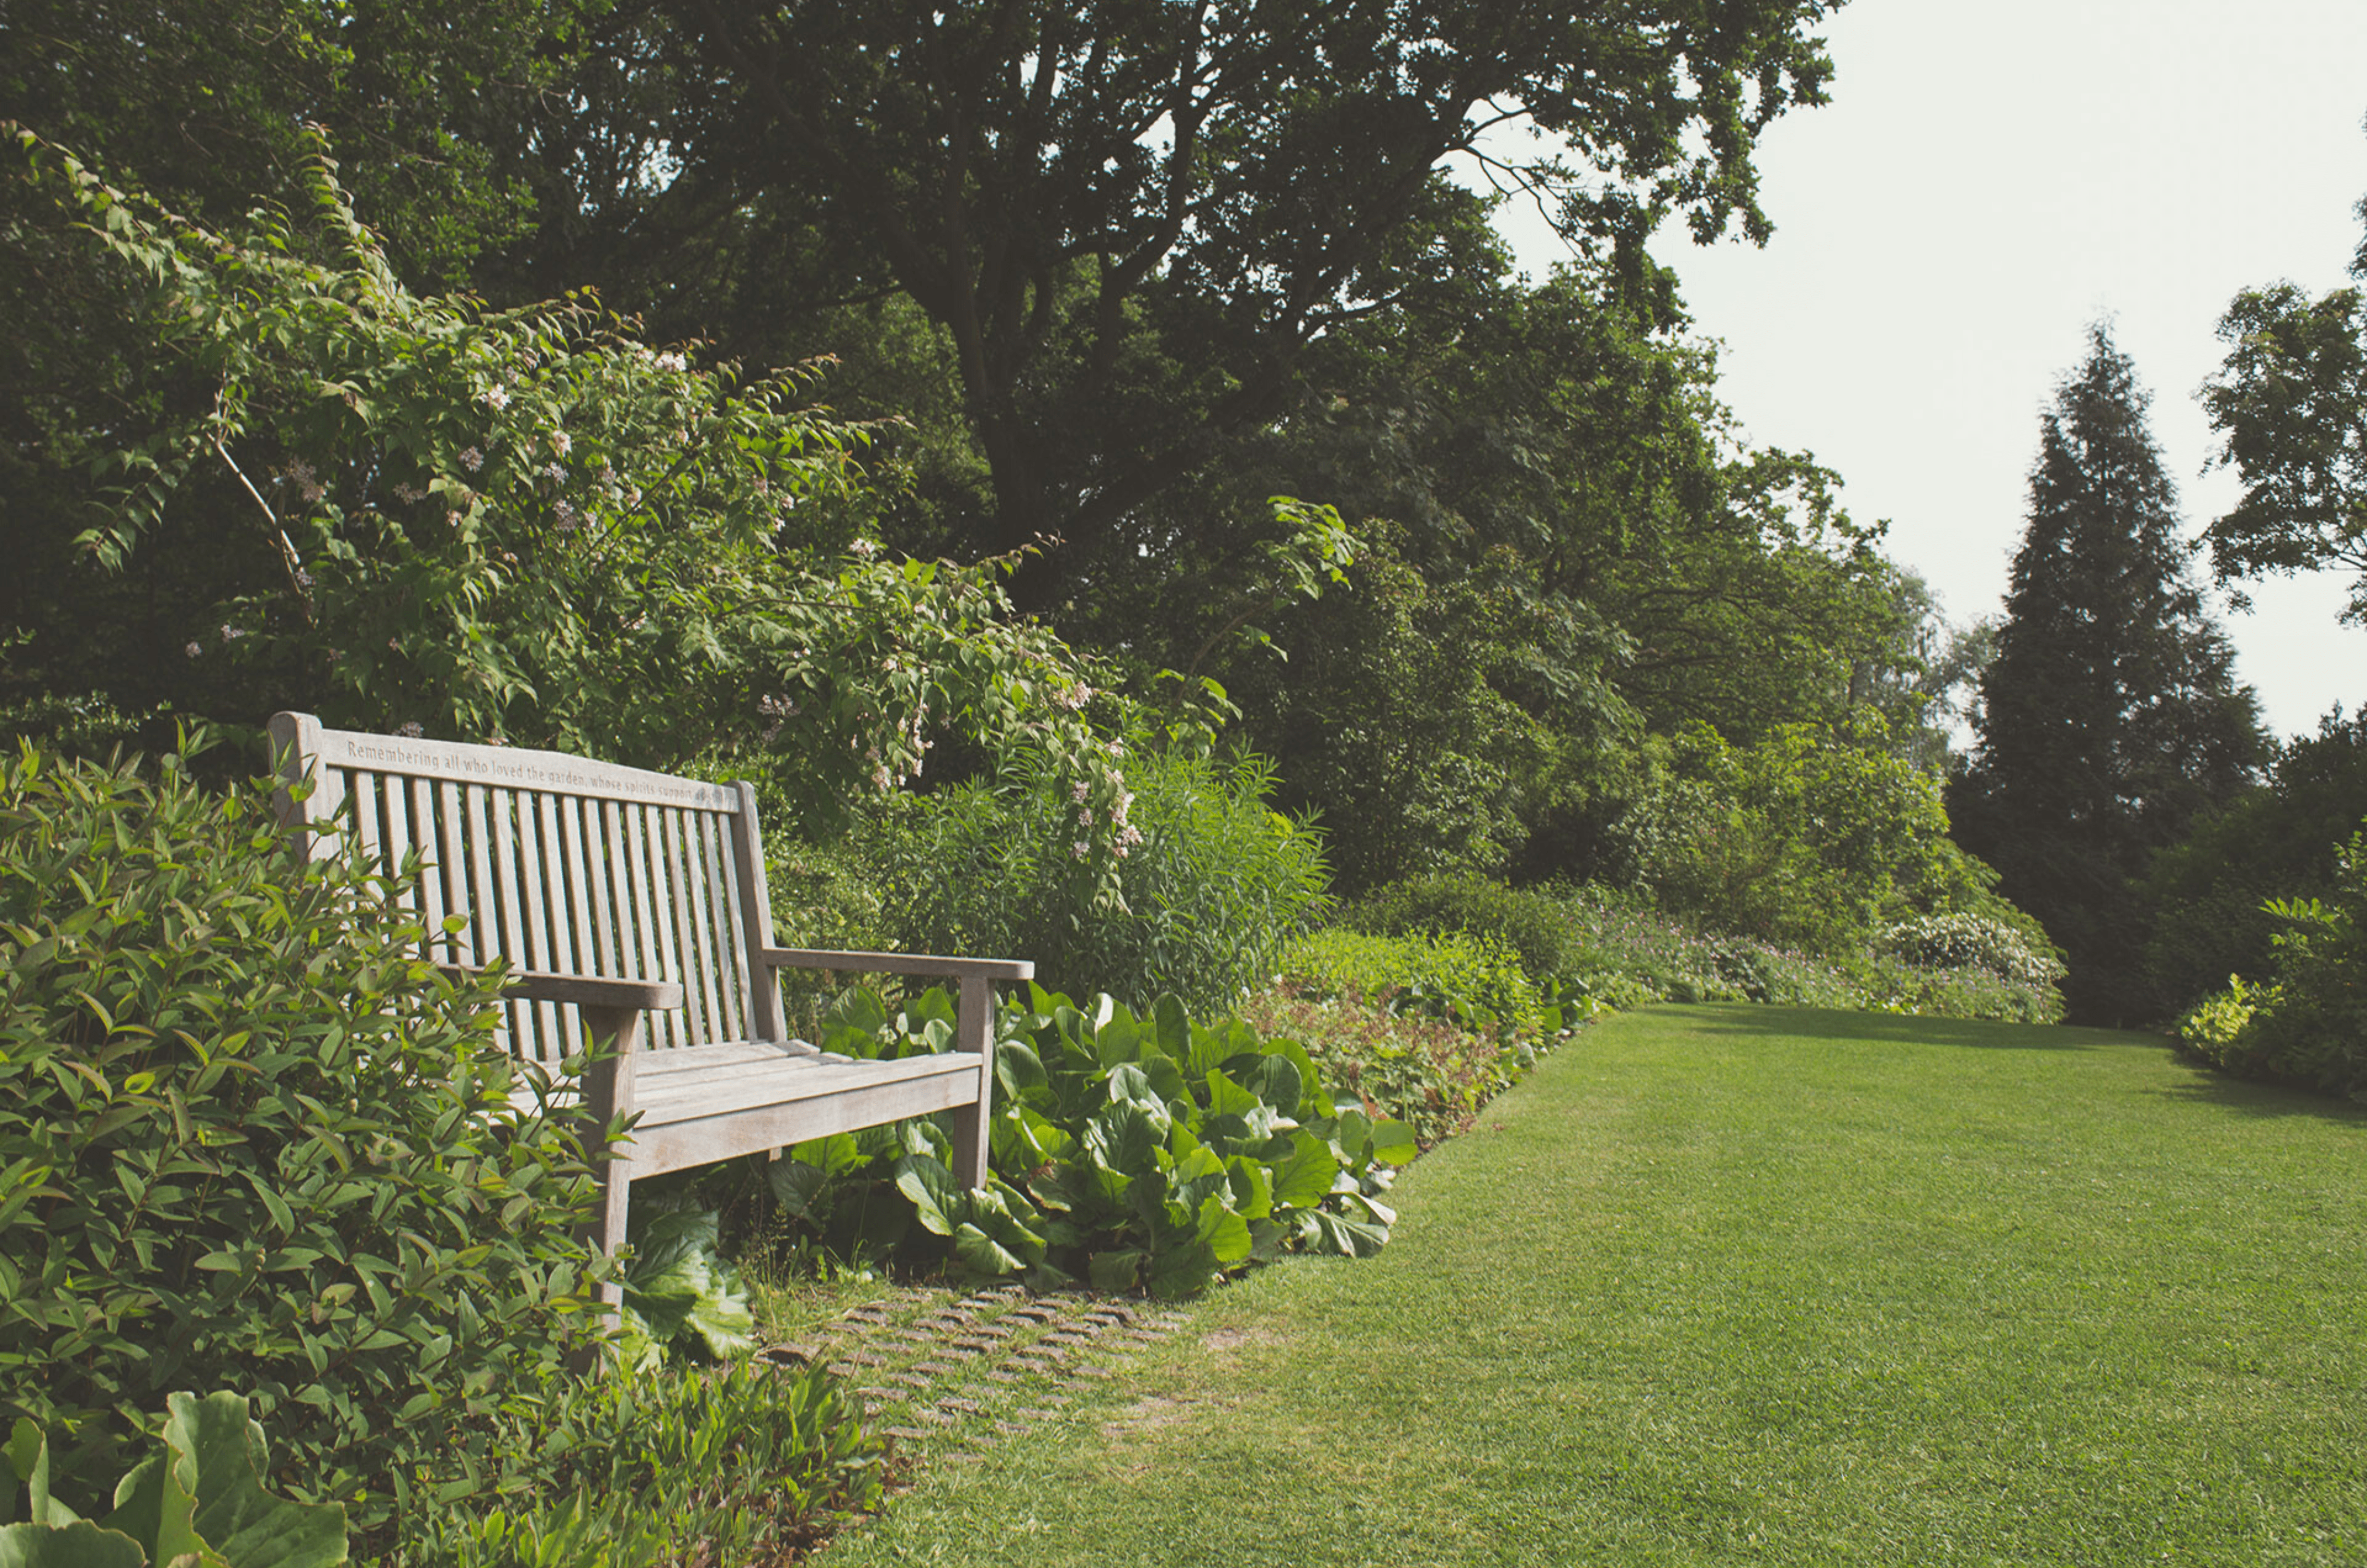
[755,916]
[730,952]
[392,788]
[525,1018]
[563,897]
[425,842]
[484,897]
[583,898]
[714,958]
[536,953]
[651,892]
[682,899]
[363,788]
[461,946]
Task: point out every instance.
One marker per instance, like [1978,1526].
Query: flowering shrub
[527,527]
[1961,940]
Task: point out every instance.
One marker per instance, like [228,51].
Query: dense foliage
[1215,880]
[2308,1024]
[250,1137]
[200,1499]
[1135,1152]
[2204,896]
[2109,716]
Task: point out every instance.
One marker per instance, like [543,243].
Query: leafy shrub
[2309,1026]
[2207,896]
[248,1137]
[1532,923]
[1135,1151]
[1428,1074]
[1469,981]
[741,1464]
[1629,952]
[1963,940]
[204,1493]
[1216,885]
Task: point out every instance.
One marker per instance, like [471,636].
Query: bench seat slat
[707,1138]
[678,1096]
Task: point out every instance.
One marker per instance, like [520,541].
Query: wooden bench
[631,908]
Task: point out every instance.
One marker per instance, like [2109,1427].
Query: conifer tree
[2110,714]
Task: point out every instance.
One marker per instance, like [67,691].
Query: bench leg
[974,1030]
[607,1094]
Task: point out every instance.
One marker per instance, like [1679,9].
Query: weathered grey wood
[853,962]
[755,920]
[973,1021]
[632,911]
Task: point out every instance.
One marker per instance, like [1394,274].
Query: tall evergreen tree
[2111,714]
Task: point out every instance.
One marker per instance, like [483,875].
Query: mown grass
[1740,1284]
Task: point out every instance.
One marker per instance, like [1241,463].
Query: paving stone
[997,1375]
[912,1336]
[1032,1414]
[961,1406]
[933,1368]
[936,1417]
[1057,1399]
[1087,1369]
[1013,1427]
[859,1359]
[910,1434]
[910,1380]
[986,1333]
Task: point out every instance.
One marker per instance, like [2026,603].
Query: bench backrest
[558,863]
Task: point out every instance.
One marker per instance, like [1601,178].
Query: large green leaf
[217,1454]
[1172,1027]
[936,1197]
[78,1545]
[794,1185]
[1303,1179]
[1393,1142]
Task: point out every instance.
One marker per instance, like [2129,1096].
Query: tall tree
[2290,406]
[1133,219]
[2109,713]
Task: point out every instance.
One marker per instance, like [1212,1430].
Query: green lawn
[1752,1285]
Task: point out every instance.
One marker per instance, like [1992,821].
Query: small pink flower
[1080,849]
[471,459]
[495,396]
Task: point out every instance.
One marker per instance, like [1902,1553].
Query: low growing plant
[1135,1151]
[200,1500]
[745,1462]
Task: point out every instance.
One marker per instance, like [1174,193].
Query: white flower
[1080,849]
[673,362]
[408,493]
[471,459]
[1080,790]
[496,396]
[195,649]
[879,778]
[410,729]
[863,548]
[566,515]
[562,442]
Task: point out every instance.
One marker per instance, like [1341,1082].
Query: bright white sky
[1988,179]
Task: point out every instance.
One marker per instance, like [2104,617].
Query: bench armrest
[583,990]
[896,963]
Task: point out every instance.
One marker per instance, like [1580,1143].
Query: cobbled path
[948,1376]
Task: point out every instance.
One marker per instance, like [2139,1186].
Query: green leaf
[78,1545]
[1116,1272]
[1393,1142]
[794,1185]
[935,1195]
[1303,1179]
